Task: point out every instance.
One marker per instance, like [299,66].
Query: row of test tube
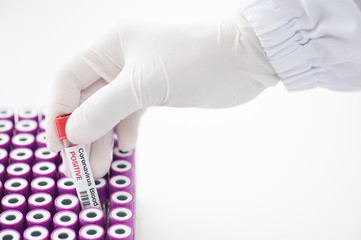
[39,202]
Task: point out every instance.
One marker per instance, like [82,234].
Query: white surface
[284,166]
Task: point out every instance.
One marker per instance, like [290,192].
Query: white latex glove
[211,64]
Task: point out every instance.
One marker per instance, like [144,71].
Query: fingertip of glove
[99,174]
[126,147]
[67,173]
[101,156]
[73,132]
[53,145]
[99,169]
[78,129]
[127,141]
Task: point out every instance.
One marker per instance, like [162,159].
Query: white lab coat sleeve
[310,43]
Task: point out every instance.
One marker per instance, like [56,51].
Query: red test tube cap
[60,122]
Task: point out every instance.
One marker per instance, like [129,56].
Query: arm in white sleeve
[310,43]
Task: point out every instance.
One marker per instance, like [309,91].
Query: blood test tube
[28,113]
[76,157]
[23,140]
[67,219]
[4,157]
[36,232]
[17,185]
[67,202]
[44,154]
[12,219]
[6,127]
[66,185]
[2,173]
[122,199]
[41,201]
[22,155]
[120,183]
[61,171]
[92,215]
[40,140]
[91,232]
[10,234]
[120,232]
[43,184]
[39,217]
[5,141]
[26,126]
[14,201]
[121,167]
[63,233]
[101,185]
[118,154]
[121,215]
[21,170]
[7,113]
[44,169]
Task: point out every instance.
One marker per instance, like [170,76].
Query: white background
[284,166]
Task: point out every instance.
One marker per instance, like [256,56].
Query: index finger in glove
[84,69]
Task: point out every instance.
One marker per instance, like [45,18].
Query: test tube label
[81,172]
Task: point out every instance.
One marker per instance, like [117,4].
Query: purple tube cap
[12,219]
[24,155]
[67,202]
[118,154]
[38,217]
[67,219]
[17,185]
[43,184]
[44,154]
[91,231]
[25,140]
[120,231]
[28,112]
[41,200]
[121,215]
[120,183]
[7,113]
[63,233]
[121,167]
[19,170]
[92,215]
[44,169]
[10,234]
[14,201]
[26,126]
[122,199]
[66,185]
[36,232]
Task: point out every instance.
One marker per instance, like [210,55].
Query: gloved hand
[211,64]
